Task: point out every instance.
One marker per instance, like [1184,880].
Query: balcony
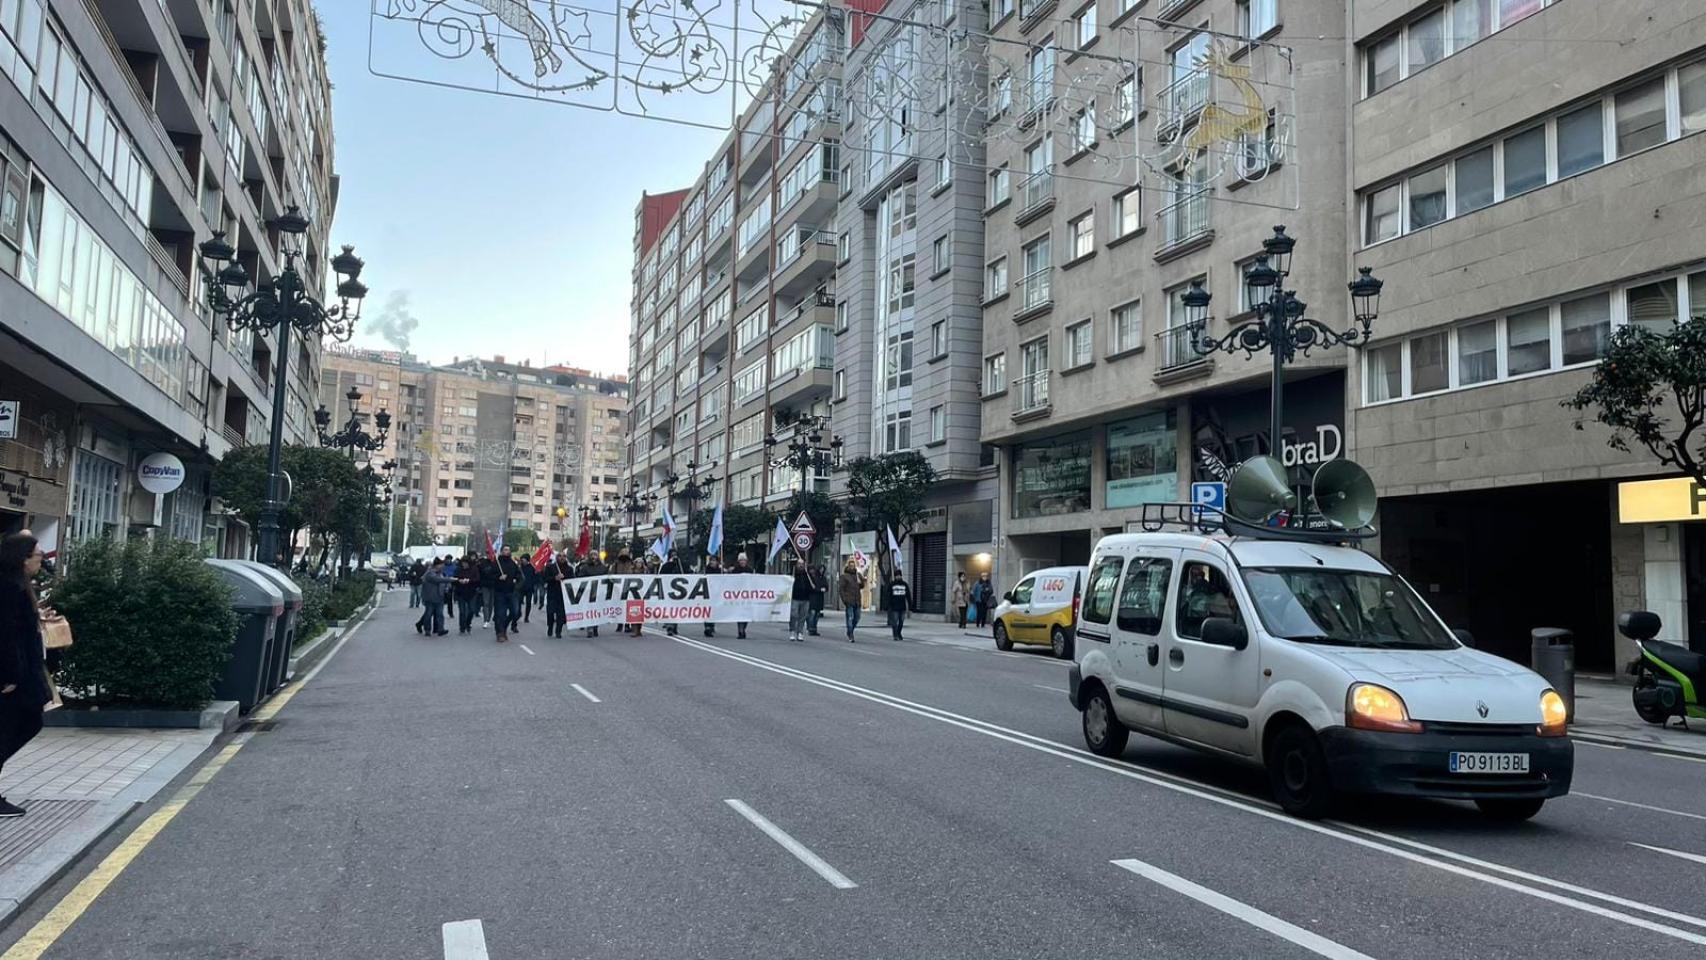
[1036,293]
[1030,396]
[1184,220]
[1036,197]
[803,384]
[1179,359]
[1180,103]
[819,307]
[804,256]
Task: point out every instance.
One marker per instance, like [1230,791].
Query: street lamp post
[1280,326]
[638,504]
[699,485]
[352,437]
[280,303]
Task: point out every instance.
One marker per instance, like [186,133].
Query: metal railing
[1030,392]
[1176,345]
[1035,190]
[1186,218]
[1036,290]
[1180,101]
[168,266]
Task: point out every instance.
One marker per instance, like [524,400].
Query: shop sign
[8,419]
[1660,501]
[160,473]
[853,544]
[21,493]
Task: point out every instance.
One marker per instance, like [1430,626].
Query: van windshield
[1344,608]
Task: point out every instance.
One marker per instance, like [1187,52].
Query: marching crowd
[503,591]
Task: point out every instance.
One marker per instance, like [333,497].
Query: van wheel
[1508,809]
[1002,641]
[1058,643]
[1297,771]
[1104,734]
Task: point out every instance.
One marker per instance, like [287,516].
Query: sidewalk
[1604,712]
[77,783]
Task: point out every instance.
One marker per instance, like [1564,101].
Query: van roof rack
[1209,519]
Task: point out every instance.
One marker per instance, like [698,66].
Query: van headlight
[1369,706]
[1554,715]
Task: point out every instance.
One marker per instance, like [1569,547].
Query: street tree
[413,533]
[742,525]
[328,495]
[888,491]
[1651,389]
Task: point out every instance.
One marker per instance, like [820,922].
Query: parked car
[1038,610]
[1315,662]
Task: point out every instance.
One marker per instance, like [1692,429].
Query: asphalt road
[656,797]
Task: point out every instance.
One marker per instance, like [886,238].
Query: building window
[941,255]
[843,247]
[994,374]
[1427,197]
[1478,353]
[1381,63]
[1079,344]
[1127,213]
[897,370]
[1126,327]
[1051,477]
[1691,97]
[1475,182]
[1641,117]
[897,432]
[1438,33]
[995,278]
[938,423]
[1257,17]
[1381,216]
[1083,230]
[1084,25]
[841,316]
[1038,265]
[1581,140]
[1000,185]
[1084,128]
[1525,161]
[840,385]
[1125,102]
[939,338]
[1428,370]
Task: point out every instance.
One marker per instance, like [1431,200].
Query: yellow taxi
[1038,610]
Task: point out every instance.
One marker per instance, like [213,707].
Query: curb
[46,864]
[218,715]
[1645,746]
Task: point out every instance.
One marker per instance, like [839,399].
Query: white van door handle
[1176,656]
[1154,654]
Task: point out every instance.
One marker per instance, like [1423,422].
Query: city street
[723,798]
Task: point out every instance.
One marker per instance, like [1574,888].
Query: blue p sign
[1211,494]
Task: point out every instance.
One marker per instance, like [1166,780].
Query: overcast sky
[502,225]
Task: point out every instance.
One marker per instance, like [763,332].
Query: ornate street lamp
[351,436]
[1281,325]
[806,451]
[279,303]
[638,505]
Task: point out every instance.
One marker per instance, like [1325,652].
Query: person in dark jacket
[800,607]
[467,592]
[416,571]
[450,588]
[820,590]
[488,589]
[672,565]
[551,579]
[900,598]
[507,595]
[851,588]
[526,588]
[712,566]
[592,566]
[434,586]
[23,677]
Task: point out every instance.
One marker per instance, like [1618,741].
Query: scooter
[1669,679]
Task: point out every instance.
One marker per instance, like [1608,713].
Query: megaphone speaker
[1258,489]
[1344,494]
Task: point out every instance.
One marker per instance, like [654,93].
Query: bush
[347,596]
[312,619]
[153,624]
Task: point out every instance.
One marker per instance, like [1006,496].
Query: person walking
[592,566]
[742,565]
[713,567]
[488,589]
[416,570]
[467,590]
[820,590]
[900,598]
[851,588]
[672,565]
[962,598]
[551,581]
[526,588]
[23,673]
[626,565]
[800,609]
[982,594]
[507,595]
[450,566]
[433,586]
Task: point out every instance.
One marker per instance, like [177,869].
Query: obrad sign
[1660,501]
[671,598]
[160,473]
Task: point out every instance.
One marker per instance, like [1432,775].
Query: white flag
[668,530]
[714,545]
[780,544]
[894,550]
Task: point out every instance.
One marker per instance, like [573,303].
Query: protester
[712,566]
[450,567]
[672,565]
[508,615]
[488,589]
[433,587]
[982,596]
[416,571]
[800,609]
[900,597]
[851,588]
[962,597]
[625,565]
[23,675]
[741,566]
[551,580]
[467,592]
[592,567]
[526,588]
[820,590]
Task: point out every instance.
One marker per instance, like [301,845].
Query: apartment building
[391,380]
[1090,384]
[734,304]
[1513,238]
[500,445]
[130,131]
[909,296]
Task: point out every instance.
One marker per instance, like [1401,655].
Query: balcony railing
[1186,218]
[168,266]
[1035,290]
[1182,100]
[1176,345]
[1035,190]
[1030,393]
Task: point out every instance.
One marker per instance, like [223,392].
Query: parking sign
[1209,494]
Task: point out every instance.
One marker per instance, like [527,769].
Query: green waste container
[259,604]
[284,635]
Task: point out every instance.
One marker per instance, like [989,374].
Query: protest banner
[676,598]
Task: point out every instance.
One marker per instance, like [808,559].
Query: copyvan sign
[160,473]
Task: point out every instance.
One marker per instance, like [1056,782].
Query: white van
[1039,610]
[1315,661]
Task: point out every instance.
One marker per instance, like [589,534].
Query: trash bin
[259,604]
[284,637]
[1553,653]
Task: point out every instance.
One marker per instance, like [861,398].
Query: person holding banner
[820,589]
[713,566]
[552,577]
[592,567]
[741,566]
[672,565]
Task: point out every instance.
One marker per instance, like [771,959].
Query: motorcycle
[1669,678]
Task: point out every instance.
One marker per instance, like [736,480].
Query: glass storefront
[1052,477]
[1143,462]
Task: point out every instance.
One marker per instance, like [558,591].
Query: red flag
[490,552]
[583,546]
[542,556]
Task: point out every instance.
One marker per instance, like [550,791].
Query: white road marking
[1314,943]
[1391,844]
[465,940]
[527,650]
[1044,686]
[1643,806]
[819,866]
[1697,858]
[585,693]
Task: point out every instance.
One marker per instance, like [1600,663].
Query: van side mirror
[1223,632]
[1464,637]
[1008,596]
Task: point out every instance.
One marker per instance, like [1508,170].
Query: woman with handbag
[23,674]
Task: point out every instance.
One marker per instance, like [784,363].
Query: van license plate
[1488,762]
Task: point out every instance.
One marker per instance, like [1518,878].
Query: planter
[310,653]
[218,715]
